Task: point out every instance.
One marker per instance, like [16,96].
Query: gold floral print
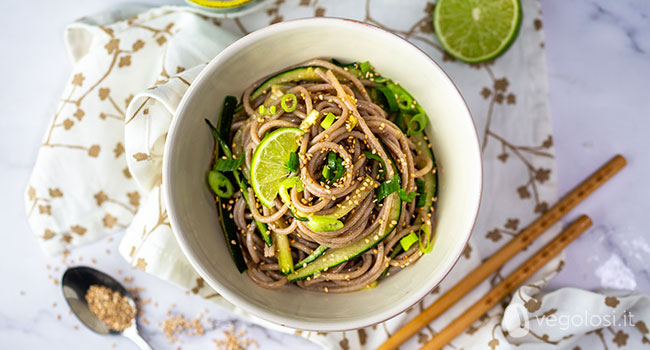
[612,302]
[134,202]
[141,264]
[118,150]
[78,229]
[126,173]
[45,209]
[141,156]
[109,220]
[55,192]
[48,234]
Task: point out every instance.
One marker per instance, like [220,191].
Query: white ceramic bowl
[189,148]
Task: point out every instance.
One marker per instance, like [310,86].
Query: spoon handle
[133,334]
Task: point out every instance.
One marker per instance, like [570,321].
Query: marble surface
[598,56]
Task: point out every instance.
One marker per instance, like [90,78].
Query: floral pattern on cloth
[99,167]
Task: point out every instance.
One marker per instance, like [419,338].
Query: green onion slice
[417,124]
[365,68]
[373,156]
[309,120]
[427,246]
[334,169]
[387,188]
[407,241]
[294,102]
[404,101]
[324,223]
[399,121]
[420,184]
[220,184]
[328,121]
[380,79]
[228,164]
[222,142]
[406,197]
[389,96]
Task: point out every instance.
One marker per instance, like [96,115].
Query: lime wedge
[476,30]
[269,164]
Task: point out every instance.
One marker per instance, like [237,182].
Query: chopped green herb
[228,164]
[327,173]
[365,68]
[406,197]
[387,188]
[293,162]
[382,167]
[340,169]
[334,168]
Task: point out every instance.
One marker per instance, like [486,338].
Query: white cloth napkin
[99,169]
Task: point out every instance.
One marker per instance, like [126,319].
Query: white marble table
[599,75]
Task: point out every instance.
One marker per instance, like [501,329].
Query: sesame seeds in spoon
[101,303]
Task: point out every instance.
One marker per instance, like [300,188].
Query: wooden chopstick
[525,237]
[509,284]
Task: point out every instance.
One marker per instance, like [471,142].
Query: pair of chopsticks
[516,278]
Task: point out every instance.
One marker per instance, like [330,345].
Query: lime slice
[269,164]
[476,30]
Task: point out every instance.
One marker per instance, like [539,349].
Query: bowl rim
[265,314]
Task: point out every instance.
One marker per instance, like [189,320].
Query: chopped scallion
[422,200]
[407,241]
[220,184]
[427,246]
[387,188]
[328,121]
[294,102]
[365,68]
[382,167]
[334,169]
[309,120]
[389,96]
[228,164]
[404,101]
[417,124]
[406,197]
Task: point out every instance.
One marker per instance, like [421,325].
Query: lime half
[269,164]
[476,30]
